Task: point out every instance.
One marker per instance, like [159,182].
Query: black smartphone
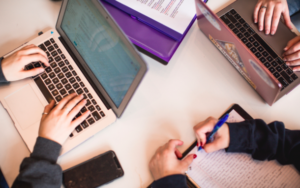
[94,172]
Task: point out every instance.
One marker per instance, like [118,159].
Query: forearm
[40,169]
[2,77]
[264,141]
[173,181]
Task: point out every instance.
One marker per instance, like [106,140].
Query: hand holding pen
[207,129]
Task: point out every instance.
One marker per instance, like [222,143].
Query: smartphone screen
[94,172]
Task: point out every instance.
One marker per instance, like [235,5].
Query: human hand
[57,124]
[165,162]
[13,65]
[268,12]
[292,54]
[221,137]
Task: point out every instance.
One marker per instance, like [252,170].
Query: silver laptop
[89,55]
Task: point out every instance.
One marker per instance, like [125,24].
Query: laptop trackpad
[25,106]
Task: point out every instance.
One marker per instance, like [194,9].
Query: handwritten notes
[220,169]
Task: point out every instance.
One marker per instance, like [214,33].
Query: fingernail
[197,144]
[272,33]
[194,156]
[288,64]
[267,32]
[284,59]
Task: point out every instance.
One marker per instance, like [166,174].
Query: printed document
[221,170]
[175,14]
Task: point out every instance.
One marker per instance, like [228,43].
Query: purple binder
[147,39]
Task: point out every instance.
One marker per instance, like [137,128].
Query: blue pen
[216,128]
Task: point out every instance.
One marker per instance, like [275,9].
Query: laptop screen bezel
[143,67]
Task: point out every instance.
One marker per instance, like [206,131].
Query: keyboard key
[57,70]
[90,96]
[240,35]
[262,59]
[242,21]
[84,124]
[286,77]
[78,129]
[260,49]
[29,67]
[258,55]
[65,69]
[68,74]
[76,85]
[279,69]
[91,121]
[55,92]
[60,75]
[48,81]
[42,46]
[83,110]
[52,75]
[53,65]
[57,58]
[59,51]
[59,86]
[269,58]
[94,102]
[48,54]
[44,76]
[230,17]
[271,69]
[67,62]
[253,50]
[79,91]
[279,61]
[71,135]
[276,74]
[232,11]
[265,54]
[294,76]
[52,40]
[84,96]
[58,98]
[247,34]
[70,67]
[251,39]
[50,48]
[68,86]
[98,108]
[78,79]
[246,26]
[54,53]
[88,102]
[61,64]
[72,80]
[235,30]
[96,116]
[63,91]
[284,66]
[231,26]
[242,30]
[102,114]
[37,64]
[250,30]
[283,82]
[255,44]
[55,45]
[50,59]
[249,45]
[244,40]
[238,25]
[265,45]
[47,43]
[51,87]
[55,80]
[237,16]
[63,56]
[71,91]
[48,69]
[64,81]
[274,64]
[289,71]
[81,84]
[74,73]
[267,65]
[86,90]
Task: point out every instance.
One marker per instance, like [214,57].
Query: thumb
[187,161]
[32,72]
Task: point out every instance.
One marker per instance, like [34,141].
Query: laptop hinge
[85,73]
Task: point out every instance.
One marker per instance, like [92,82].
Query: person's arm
[40,169]
[2,77]
[172,181]
[262,141]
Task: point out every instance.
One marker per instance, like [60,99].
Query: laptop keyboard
[259,48]
[60,80]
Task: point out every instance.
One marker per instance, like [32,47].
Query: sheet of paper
[220,169]
[175,14]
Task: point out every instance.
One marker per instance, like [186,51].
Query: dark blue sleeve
[41,169]
[2,77]
[266,142]
[173,181]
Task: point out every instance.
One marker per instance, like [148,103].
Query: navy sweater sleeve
[2,77]
[266,142]
[40,169]
[173,181]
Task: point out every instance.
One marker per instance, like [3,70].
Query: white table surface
[198,82]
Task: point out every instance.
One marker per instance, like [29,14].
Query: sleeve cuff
[2,77]
[46,149]
[239,137]
[173,181]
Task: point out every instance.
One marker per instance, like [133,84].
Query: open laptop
[255,55]
[89,55]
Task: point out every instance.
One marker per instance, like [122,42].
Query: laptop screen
[101,48]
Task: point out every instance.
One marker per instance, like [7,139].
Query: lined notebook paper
[220,169]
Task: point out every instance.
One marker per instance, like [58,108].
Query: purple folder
[147,39]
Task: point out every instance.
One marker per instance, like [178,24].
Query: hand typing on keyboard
[267,14]
[13,65]
[292,53]
[57,122]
